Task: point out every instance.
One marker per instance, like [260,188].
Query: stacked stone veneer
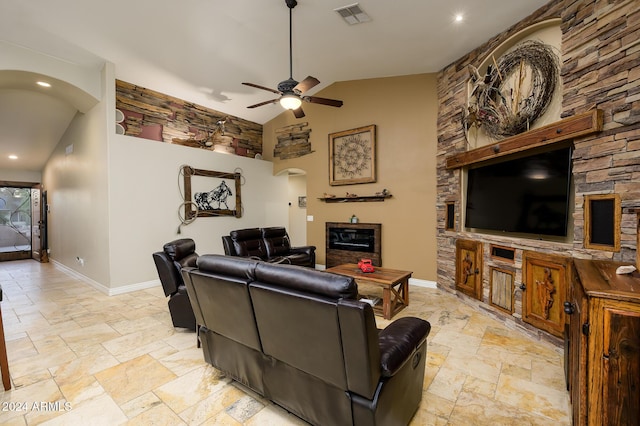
[600,69]
[157,116]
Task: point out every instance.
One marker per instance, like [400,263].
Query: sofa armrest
[308,250]
[227,244]
[399,340]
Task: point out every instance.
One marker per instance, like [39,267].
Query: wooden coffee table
[394,283]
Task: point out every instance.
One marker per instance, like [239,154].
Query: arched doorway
[297,195]
[22,222]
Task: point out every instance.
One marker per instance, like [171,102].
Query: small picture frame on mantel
[352,156]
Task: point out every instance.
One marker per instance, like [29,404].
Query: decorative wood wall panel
[153,115]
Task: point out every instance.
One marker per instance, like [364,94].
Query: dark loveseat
[300,338]
[268,244]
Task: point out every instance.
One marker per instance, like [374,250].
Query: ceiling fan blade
[299,113]
[262,87]
[272,101]
[323,101]
[306,84]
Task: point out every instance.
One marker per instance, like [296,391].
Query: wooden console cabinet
[603,350]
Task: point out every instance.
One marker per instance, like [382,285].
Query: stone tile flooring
[78,357]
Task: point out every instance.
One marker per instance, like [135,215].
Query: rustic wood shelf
[362,198]
[569,128]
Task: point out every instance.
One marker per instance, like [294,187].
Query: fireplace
[350,242]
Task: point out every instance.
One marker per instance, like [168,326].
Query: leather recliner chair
[169,263]
[268,244]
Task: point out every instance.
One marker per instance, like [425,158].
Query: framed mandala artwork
[352,156]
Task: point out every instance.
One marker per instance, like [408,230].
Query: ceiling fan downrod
[291,92]
[291,4]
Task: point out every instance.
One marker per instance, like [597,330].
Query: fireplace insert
[351,242]
[352,239]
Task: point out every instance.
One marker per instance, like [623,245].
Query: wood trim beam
[569,128]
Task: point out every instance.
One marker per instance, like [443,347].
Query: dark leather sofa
[169,262]
[300,338]
[269,244]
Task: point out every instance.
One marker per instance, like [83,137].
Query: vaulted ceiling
[202,50]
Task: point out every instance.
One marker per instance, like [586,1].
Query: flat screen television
[528,195]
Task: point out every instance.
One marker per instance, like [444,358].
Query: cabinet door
[577,356]
[545,277]
[469,268]
[621,366]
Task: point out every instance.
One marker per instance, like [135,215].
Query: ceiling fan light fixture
[290,90]
[290,101]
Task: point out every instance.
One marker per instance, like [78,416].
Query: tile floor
[78,357]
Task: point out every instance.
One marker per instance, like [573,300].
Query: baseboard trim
[422,283]
[102,288]
[134,287]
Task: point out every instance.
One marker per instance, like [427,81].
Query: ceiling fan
[290,91]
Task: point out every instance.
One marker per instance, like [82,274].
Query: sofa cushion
[248,242]
[320,283]
[240,267]
[300,329]
[179,248]
[182,253]
[220,291]
[276,241]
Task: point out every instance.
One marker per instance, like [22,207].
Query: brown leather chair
[169,262]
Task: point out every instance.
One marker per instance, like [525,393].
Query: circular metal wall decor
[352,156]
[515,91]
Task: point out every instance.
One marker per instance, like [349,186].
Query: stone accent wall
[600,69]
[156,116]
[293,141]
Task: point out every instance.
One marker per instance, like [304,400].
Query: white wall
[77,188]
[297,216]
[21,176]
[114,199]
[146,192]
[83,77]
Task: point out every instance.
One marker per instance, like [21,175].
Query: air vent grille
[353,14]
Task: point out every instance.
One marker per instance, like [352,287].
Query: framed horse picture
[209,193]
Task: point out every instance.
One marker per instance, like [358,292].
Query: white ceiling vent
[353,14]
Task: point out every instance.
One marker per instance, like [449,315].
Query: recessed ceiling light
[13,157]
[43,84]
[459,17]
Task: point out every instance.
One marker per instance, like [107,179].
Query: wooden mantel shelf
[362,198]
[569,128]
